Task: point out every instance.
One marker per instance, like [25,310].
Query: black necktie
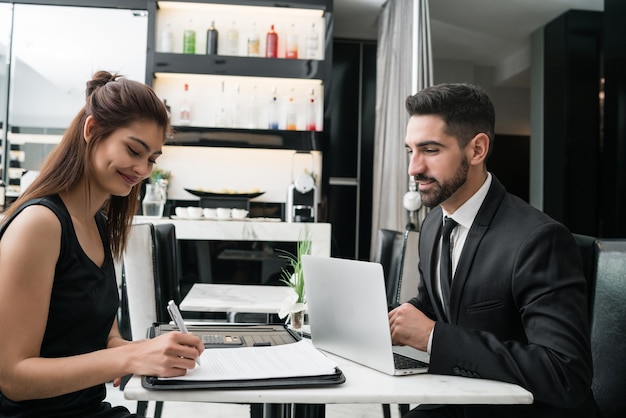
[445,262]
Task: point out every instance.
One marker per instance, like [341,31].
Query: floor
[193,410]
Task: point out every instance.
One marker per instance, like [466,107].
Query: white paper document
[248,363]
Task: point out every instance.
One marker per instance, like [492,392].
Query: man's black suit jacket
[518,307]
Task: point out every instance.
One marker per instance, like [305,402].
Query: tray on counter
[201,193]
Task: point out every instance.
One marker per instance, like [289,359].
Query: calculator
[219,340]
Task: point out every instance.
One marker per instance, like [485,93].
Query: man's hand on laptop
[409,326]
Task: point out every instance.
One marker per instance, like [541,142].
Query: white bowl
[194,212]
[181,212]
[209,213]
[239,213]
[223,213]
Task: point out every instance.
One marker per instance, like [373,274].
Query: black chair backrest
[587,247]
[168,272]
[389,252]
[608,328]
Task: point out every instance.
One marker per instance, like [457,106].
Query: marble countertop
[249,230]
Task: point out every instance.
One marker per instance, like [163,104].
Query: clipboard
[240,335]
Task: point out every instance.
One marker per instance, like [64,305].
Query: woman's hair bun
[99,79]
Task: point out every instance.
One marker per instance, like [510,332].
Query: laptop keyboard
[403,362]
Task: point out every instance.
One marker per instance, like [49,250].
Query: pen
[178,320]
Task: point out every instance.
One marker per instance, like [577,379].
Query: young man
[515,307]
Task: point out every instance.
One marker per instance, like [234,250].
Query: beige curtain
[404,66]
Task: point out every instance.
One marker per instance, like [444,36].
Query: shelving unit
[240,86]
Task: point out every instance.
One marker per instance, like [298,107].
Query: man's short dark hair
[465,109]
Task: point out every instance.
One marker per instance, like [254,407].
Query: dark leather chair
[608,327]
[390,250]
[587,247]
[389,253]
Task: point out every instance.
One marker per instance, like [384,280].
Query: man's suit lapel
[475,235]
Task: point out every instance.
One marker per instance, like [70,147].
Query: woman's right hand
[168,355]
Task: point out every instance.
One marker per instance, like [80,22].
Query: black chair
[608,327]
[390,252]
[588,248]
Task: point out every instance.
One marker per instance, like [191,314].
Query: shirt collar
[467,212]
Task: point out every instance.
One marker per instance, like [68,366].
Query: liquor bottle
[167,39]
[211,40]
[236,113]
[253,114]
[272,111]
[189,39]
[232,40]
[222,118]
[254,47]
[271,44]
[290,114]
[312,43]
[184,114]
[291,46]
[311,112]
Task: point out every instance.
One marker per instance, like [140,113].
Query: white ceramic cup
[210,213]
[239,213]
[181,212]
[194,211]
[223,213]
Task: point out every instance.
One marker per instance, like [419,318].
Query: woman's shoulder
[35,217]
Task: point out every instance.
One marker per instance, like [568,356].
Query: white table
[206,297]
[363,385]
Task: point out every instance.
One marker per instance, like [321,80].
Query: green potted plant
[293,276]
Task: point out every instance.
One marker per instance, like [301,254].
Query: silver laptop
[347,308]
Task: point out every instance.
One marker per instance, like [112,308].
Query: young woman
[59,339]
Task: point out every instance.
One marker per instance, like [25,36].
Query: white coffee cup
[194,212]
[181,212]
[210,213]
[239,213]
[223,213]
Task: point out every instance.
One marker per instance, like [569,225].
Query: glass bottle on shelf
[236,109]
[272,111]
[222,119]
[291,46]
[253,114]
[211,39]
[312,43]
[290,114]
[311,112]
[166,43]
[271,43]
[232,40]
[254,45]
[185,107]
[189,39]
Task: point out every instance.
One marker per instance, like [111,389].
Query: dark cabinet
[349,161]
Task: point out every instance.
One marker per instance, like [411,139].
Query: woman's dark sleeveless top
[83,305]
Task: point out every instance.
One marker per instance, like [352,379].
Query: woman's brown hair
[114,103]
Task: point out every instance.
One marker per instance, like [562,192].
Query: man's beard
[442,192]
